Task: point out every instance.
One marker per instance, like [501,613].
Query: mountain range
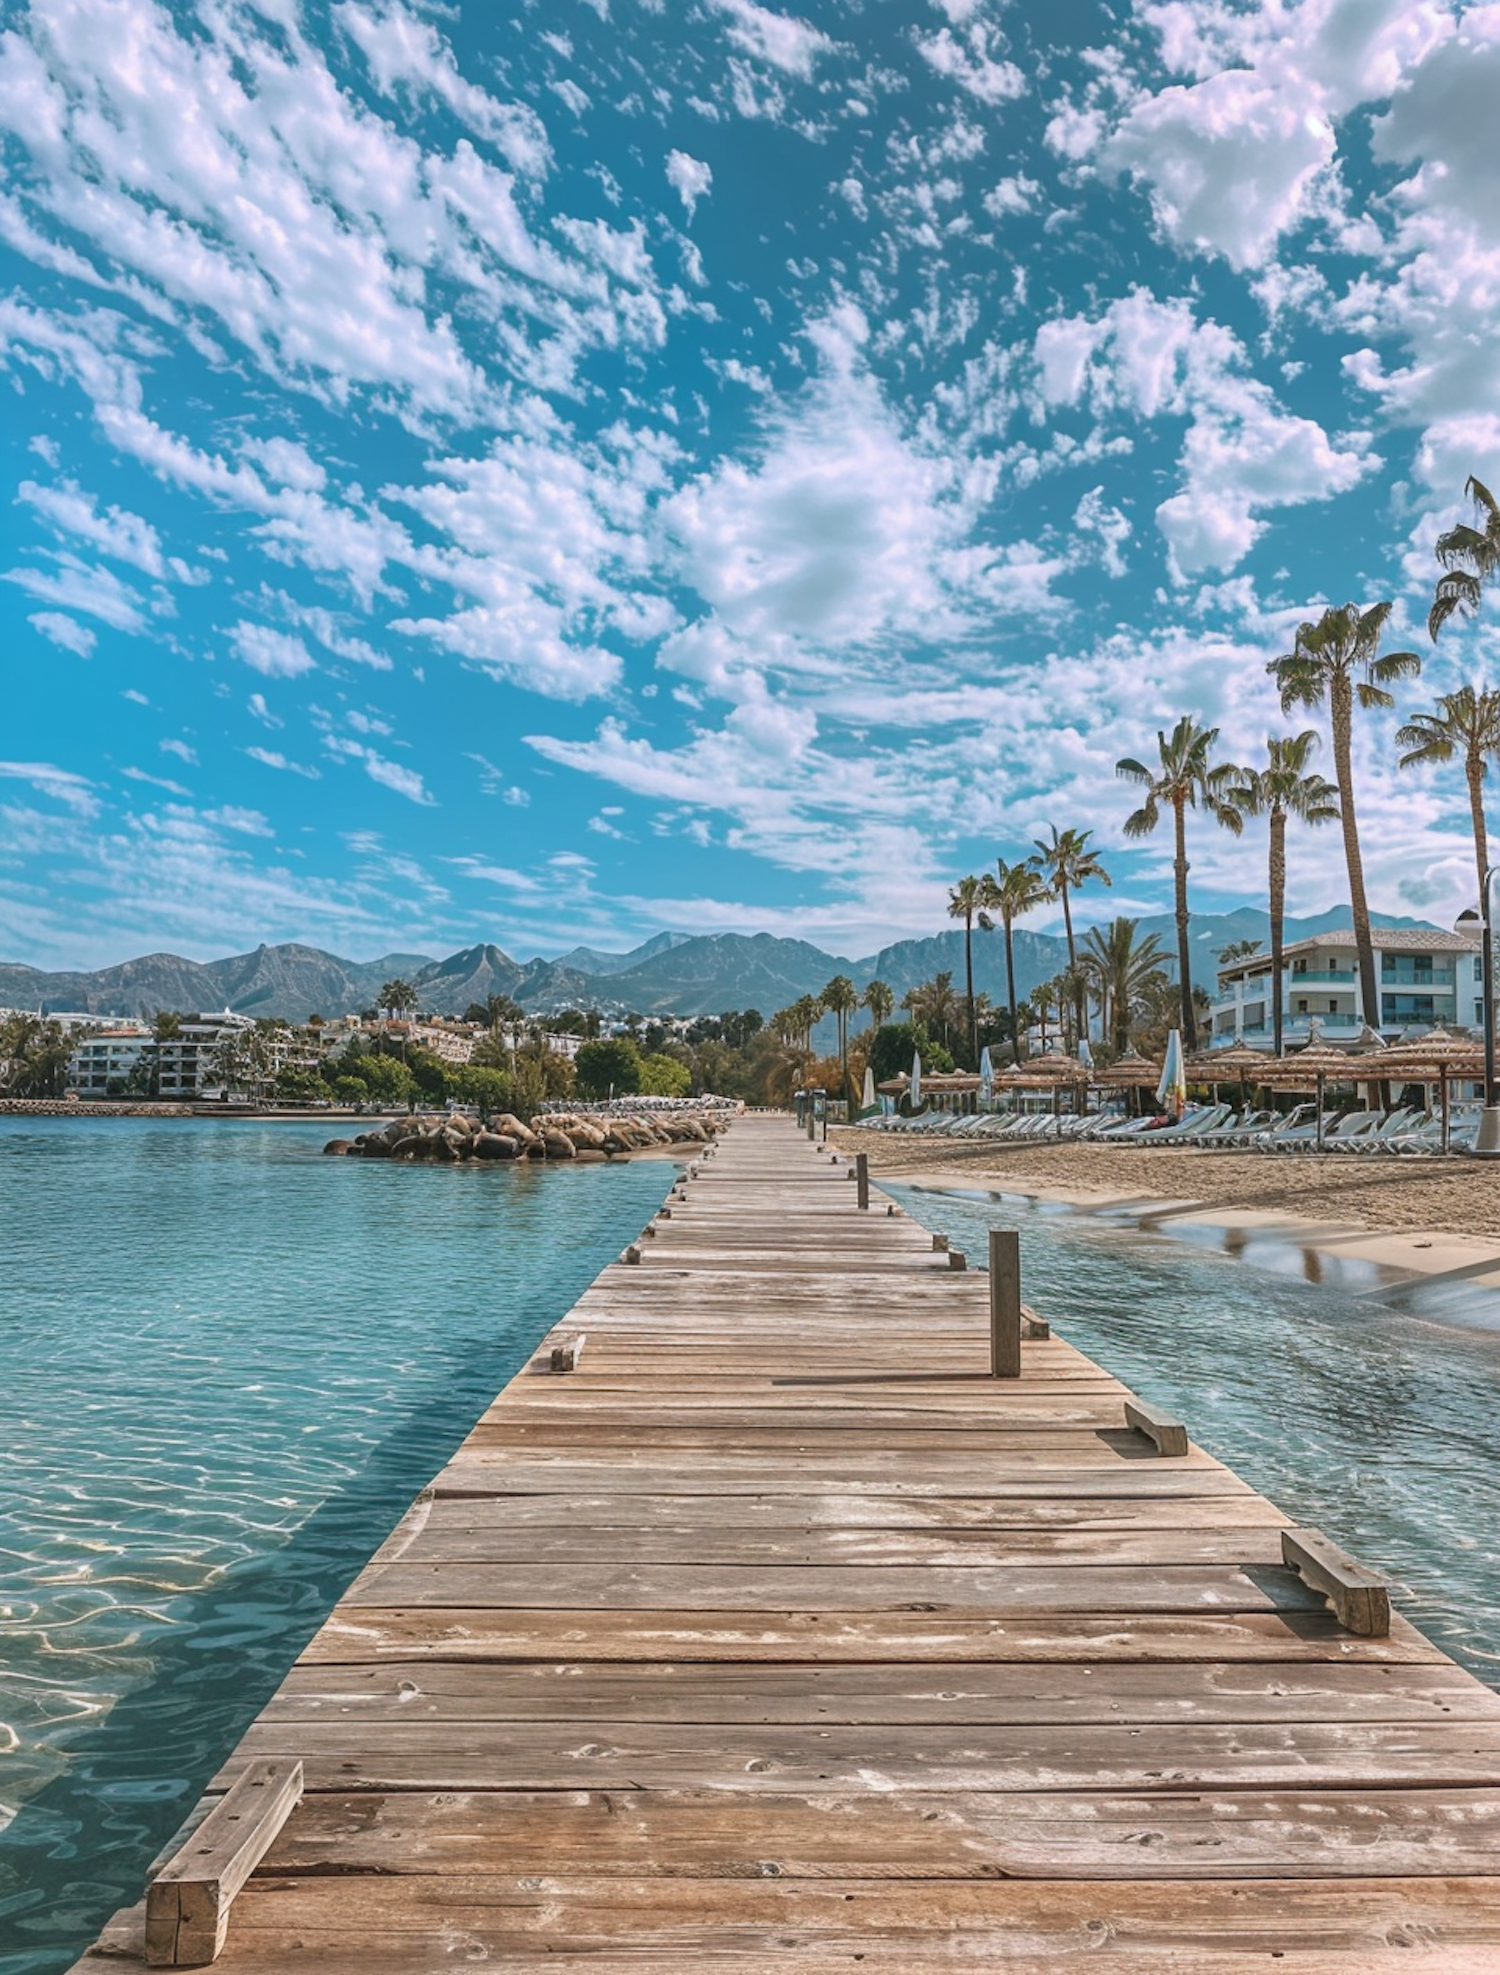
[670,974]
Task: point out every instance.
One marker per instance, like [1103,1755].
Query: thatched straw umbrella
[1238,1064]
[1130,1071]
[1311,1069]
[1049,1072]
[1437,1057]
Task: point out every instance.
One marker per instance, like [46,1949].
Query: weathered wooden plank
[426,1921]
[434,1755]
[945,1638]
[709,1587]
[710,1834]
[813,1691]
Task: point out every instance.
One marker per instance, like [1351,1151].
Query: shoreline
[1401,1221]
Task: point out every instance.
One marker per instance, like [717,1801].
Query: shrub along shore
[553,1135]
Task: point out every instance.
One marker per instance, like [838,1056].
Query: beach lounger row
[1354,1134]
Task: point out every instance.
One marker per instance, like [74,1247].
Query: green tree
[1338,662]
[1067,864]
[495,1011]
[878,998]
[970,900]
[1469,558]
[388,1080]
[840,998]
[488,1090]
[895,1043]
[610,1067]
[665,1076]
[350,1090]
[296,1084]
[34,1056]
[934,1004]
[1466,723]
[1124,970]
[1185,777]
[1285,787]
[398,997]
[1238,949]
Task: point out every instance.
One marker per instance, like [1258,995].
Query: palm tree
[1124,970]
[398,996]
[1466,722]
[840,1000]
[1470,557]
[1339,660]
[881,1003]
[970,900]
[1019,889]
[1046,1001]
[806,1012]
[1238,949]
[1284,787]
[1067,863]
[1186,777]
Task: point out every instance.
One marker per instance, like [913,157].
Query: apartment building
[105,1061]
[1426,977]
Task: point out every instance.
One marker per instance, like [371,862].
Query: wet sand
[1427,1216]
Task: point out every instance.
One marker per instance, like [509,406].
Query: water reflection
[1363,1405]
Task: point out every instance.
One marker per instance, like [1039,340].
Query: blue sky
[558,473]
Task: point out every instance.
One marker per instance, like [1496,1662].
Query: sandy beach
[1459,1197]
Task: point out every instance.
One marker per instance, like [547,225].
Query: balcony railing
[1416,977]
[1345,974]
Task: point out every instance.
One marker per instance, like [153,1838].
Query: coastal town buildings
[1427,977]
[111,1061]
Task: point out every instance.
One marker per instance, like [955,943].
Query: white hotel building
[1426,977]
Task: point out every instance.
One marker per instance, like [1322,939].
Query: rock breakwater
[554,1135]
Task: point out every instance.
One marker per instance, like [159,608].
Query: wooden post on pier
[861,1179]
[1005,1303]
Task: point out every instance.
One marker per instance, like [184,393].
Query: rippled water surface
[1356,1414]
[228,1365]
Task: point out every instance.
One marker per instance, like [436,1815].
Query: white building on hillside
[1426,977]
[105,1059]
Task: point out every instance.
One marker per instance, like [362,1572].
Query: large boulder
[496,1145]
[558,1145]
[337,1148]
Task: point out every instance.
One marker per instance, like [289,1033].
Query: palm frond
[1141,822]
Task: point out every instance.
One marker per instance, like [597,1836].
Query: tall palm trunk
[1474,773]
[1010,987]
[1073,984]
[1184,956]
[969,988]
[1341,708]
[1278,919]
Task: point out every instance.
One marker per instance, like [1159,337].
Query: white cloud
[390,774]
[247,822]
[76,792]
[123,536]
[1243,154]
[269,758]
[155,781]
[791,45]
[277,654]
[968,60]
[1242,454]
[263,712]
[77,585]
[689,178]
[65,631]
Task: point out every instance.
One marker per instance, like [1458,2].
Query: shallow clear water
[1352,1409]
[228,1365]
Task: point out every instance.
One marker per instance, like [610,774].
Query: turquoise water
[1357,1411]
[228,1365]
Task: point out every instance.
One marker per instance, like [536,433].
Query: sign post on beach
[1005,1303]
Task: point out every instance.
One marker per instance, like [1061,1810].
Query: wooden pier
[778,1632]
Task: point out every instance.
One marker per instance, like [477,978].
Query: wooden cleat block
[1360,1598]
[1170,1435]
[187,1904]
[565,1356]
